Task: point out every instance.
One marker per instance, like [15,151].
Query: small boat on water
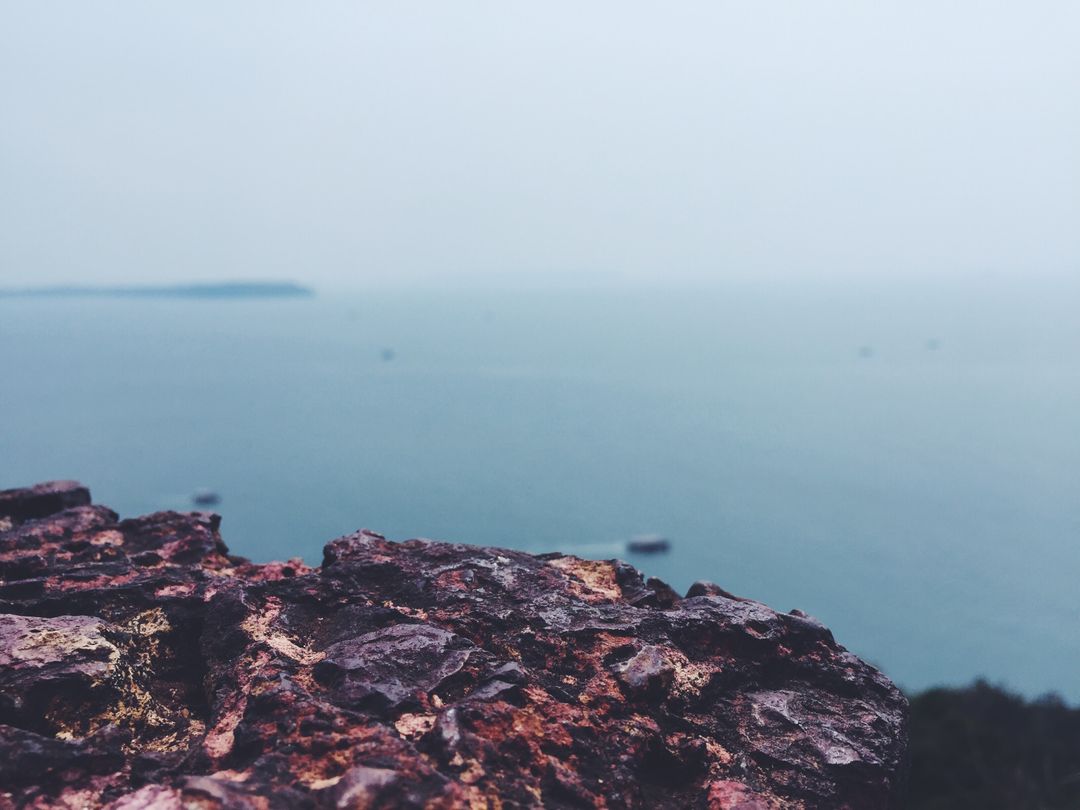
[205,497]
[649,544]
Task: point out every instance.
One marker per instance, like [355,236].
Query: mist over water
[901,460]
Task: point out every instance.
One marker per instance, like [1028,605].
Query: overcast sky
[500,143]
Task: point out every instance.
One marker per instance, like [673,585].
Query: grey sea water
[902,462]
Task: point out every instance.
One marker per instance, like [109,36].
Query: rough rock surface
[143,667]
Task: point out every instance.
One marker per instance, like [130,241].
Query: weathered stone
[393,664]
[50,667]
[42,500]
[143,667]
[648,671]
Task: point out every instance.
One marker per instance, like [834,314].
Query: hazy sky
[502,142]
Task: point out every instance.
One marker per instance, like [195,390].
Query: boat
[205,497]
[649,544]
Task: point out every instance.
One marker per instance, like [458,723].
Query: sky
[360,144]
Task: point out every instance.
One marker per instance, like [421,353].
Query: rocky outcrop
[142,666]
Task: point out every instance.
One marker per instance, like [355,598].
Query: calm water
[924,500]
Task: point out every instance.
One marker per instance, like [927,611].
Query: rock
[361,786]
[648,671]
[392,665]
[142,666]
[48,664]
[18,505]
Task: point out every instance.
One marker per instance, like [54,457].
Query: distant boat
[205,497]
[649,544]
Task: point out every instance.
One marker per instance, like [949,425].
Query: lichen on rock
[142,666]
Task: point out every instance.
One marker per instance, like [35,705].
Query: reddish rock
[142,666]
[41,500]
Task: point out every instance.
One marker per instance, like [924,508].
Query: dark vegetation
[986,748]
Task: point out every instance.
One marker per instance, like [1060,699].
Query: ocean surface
[902,462]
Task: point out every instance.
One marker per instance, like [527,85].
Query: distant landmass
[227,290]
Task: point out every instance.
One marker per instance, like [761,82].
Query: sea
[899,459]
